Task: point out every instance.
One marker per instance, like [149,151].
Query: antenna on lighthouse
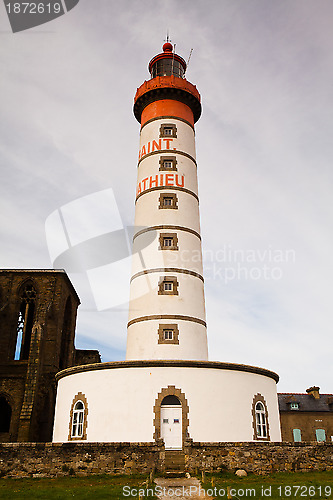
[173,57]
[188,60]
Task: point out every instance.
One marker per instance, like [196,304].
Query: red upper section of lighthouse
[167,83]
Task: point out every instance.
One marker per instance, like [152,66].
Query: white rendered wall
[145,255]
[148,214]
[121,401]
[191,341]
[152,221]
[189,301]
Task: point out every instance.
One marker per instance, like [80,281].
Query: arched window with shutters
[78,418]
[260,422]
[26,315]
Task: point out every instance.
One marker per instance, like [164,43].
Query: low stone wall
[259,458]
[62,459]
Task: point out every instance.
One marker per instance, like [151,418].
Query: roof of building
[306,402]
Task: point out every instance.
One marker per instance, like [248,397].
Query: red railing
[167,81]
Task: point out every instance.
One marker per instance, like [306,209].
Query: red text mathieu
[160,180]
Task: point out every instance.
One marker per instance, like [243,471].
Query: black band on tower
[175,94]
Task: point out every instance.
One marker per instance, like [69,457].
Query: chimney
[313,391]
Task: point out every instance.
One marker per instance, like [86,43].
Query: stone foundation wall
[62,459]
[259,458]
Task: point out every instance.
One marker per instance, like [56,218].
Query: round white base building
[143,401]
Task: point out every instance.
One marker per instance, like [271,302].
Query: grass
[283,485]
[96,487]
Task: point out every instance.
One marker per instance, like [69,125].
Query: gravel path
[179,488]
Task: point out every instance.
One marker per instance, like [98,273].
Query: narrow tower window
[168,241]
[168,163]
[25,322]
[168,200]
[168,285]
[168,130]
[168,334]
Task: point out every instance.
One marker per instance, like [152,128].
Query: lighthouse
[166,388]
[167,306]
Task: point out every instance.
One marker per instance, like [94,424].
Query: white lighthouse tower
[167,306]
[166,388]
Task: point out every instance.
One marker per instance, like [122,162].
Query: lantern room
[167,63]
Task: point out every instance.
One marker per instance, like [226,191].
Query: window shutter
[320,435]
[297,435]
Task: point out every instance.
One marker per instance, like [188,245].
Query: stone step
[174,465]
[174,474]
[174,461]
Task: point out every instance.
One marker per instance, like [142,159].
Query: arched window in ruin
[65,336]
[5,414]
[25,321]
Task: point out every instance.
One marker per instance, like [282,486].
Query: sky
[68,135]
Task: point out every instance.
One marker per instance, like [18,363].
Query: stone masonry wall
[61,459]
[18,460]
[259,458]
